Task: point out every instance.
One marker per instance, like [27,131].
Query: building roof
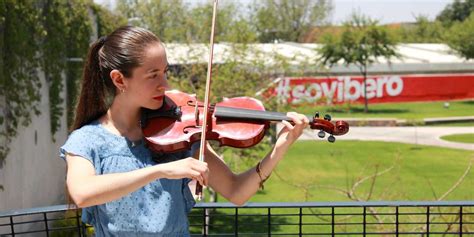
[415,58]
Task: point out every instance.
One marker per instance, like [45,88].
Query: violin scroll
[326,126]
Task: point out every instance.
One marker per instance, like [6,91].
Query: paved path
[414,135]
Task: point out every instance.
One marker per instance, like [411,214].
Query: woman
[110,171]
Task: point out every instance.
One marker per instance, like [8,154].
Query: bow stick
[206,97]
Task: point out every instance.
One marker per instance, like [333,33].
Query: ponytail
[91,104]
[122,50]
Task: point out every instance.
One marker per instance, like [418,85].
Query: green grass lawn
[313,169]
[415,111]
[464,138]
[420,172]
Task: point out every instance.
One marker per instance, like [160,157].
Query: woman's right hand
[187,168]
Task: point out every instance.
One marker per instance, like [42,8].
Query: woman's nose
[163,85]
[162,88]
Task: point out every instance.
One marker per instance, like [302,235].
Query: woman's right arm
[88,189]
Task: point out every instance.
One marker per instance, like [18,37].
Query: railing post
[46,224]
[12,226]
[301,221]
[204,222]
[332,222]
[236,222]
[365,221]
[396,221]
[460,220]
[269,222]
[78,224]
[427,221]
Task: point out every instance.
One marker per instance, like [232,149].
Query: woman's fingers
[287,124]
[198,177]
[295,130]
[202,177]
[294,118]
[298,119]
[200,171]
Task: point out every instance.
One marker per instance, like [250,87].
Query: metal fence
[447,218]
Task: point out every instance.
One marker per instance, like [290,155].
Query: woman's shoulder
[83,141]
[95,136]
[92,133]
[90,129]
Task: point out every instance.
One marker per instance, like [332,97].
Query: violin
[236,122]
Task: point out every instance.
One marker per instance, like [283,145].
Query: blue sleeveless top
[160,208]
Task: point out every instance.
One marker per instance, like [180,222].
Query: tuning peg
[316,115]
[321,134]
[327,117]
[331,139]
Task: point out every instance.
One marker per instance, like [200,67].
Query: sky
[386,11]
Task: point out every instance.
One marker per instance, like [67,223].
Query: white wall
[33,174]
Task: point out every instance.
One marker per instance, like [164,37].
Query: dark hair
[123,50]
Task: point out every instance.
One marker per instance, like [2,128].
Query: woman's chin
[155,106]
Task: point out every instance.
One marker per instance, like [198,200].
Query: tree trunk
[366,101]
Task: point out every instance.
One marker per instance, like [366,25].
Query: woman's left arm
[238,188]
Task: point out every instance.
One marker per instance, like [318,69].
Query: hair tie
[100,44]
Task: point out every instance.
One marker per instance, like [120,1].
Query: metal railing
[447,218]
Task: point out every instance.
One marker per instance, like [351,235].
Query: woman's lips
[158,97]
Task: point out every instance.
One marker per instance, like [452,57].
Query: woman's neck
[124,120]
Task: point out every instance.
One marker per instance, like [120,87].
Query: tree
[288,20]
[423,31]
[165,18]
[361,43]
[457,11]
[173,21]
[34,52]
[231,25]
[265,21]
[460,37]
[459,17]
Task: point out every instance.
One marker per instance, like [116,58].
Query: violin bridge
[196,114]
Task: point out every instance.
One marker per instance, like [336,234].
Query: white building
[414,58]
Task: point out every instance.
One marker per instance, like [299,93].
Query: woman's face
[147,85]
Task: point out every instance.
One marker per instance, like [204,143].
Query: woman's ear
[118,79]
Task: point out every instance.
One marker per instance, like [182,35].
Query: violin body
[176,132]
[237,122]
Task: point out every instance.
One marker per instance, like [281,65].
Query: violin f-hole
[187,128]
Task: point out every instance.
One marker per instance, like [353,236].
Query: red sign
[380,89]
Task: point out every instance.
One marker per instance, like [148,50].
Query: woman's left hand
[291,132]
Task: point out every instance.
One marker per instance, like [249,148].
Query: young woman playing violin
[110,171]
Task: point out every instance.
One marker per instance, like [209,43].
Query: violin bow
[206,97]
